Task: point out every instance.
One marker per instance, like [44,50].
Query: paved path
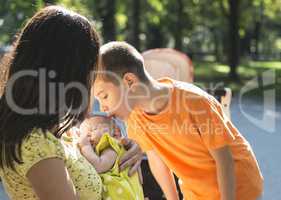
[267,146]
[2,193]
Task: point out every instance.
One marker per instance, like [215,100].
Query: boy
[181,128]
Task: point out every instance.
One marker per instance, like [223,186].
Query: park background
[230,42]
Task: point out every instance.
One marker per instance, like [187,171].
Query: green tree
[233,48]
[178,35]
[107,11]
[134,22]
[155,24]
[49,2]
[13,14]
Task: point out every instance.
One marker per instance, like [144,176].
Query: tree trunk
[233,51]
[257,39]
[258,28]
[107,14]
[155,37]
[217,45]
[178,31]
[134,23]
[49,2]
[245,44]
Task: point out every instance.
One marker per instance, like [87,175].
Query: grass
[211,75]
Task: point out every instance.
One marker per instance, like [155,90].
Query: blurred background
[230,42]
[235,37]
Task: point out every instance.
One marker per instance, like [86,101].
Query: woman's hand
[132,158]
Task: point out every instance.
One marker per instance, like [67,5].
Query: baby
[98,145]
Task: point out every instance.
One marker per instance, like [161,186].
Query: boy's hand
[132,158]
[116,132]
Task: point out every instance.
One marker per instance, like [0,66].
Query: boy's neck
[158,98]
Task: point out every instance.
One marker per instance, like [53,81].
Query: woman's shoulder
[37,135]
[37,146]
[39,140]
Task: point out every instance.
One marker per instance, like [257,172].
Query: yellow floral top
[38,147]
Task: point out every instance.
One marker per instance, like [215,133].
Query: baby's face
[95,127]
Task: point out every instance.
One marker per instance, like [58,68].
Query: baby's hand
[84,140]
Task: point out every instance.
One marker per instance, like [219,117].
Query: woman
[50,73]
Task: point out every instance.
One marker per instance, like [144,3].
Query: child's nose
[105,109]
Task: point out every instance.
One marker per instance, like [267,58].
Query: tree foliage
[202,28]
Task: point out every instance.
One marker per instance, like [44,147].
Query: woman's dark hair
[63,46]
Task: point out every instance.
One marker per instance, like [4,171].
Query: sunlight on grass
[207,70]
[265,64]
[222,68]
[247,72]
[208,73]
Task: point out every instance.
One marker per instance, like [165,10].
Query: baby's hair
[99,114]
[106,118]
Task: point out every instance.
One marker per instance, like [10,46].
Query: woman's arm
[102,163]
[225,172]
[50,180]
[163,176]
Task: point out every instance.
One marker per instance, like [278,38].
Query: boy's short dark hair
[121,58]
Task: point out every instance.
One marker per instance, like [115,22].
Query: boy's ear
[130,79]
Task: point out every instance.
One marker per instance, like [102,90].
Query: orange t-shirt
[182,135]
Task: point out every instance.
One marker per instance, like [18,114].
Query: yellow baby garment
[118,185]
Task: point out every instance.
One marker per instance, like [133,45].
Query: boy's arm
[225,172]
[102,163]
[163,176]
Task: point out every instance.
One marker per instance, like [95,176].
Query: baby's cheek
[97,137]
[92,140]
